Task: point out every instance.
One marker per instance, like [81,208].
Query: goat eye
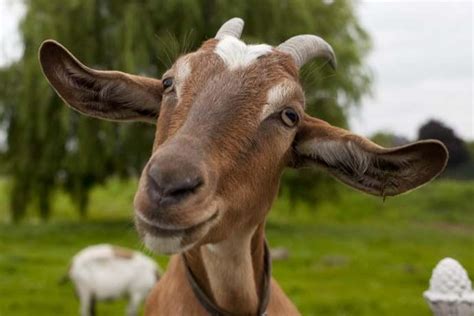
[167,84]
[289,117]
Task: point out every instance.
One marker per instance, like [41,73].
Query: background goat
[107,272]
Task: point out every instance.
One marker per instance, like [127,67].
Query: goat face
[229,117]
[227,121]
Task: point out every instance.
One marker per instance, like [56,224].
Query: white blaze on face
[237,54]
[277,97]
[183,70]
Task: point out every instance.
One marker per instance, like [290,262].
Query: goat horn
[303,48]
[233,27]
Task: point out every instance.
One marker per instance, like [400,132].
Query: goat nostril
[182,188]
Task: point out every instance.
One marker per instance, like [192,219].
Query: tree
[387,139]
[458,151]
[50,146]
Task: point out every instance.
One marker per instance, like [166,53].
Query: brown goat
[229,118]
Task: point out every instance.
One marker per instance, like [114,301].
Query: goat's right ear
[110,95]
[363,165]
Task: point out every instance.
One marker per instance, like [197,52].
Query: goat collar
[215,310]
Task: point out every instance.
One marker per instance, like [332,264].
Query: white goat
[107,272]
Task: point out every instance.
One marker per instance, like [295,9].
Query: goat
[106,272]
[229,118]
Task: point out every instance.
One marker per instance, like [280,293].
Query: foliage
[388,139]
[388,249]
[458,152]
[50,147]
[470,148]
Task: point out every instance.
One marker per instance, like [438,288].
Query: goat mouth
[153,227]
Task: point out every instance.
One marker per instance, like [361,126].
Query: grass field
[355,256]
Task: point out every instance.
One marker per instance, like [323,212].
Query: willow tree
[50,146]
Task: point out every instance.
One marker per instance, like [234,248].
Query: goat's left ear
[361,164]
[110,95]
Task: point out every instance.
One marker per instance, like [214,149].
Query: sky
[11,11]
[422,60]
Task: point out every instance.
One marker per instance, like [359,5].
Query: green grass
[354,256]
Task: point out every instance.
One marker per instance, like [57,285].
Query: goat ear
[363,165]
[110,95]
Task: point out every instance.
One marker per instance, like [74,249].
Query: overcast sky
[423,64]
[422,60]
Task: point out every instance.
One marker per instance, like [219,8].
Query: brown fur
[162,302]
[210,126]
